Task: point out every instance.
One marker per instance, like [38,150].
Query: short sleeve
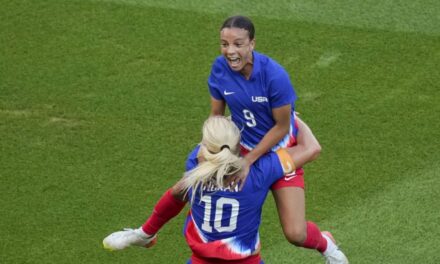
[268,170]
[276,168]
[213,84]
[191,161]
[281,90]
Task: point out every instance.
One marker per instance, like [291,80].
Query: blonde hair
[220,151]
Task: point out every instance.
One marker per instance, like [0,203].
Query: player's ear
[252,44]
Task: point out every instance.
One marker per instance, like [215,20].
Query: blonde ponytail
[220,151]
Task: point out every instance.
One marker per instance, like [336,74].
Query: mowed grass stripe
[401,218]
[65,188]
[421,16]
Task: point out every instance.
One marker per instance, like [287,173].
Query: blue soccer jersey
[251,101]
[223,224]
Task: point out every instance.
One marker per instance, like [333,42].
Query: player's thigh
[290,202]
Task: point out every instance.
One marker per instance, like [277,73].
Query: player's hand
[239,179]
[128,237]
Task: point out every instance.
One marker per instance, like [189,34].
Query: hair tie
[224,146]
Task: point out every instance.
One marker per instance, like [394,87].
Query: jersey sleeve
[281,89]
[191,161]
[213,84]
[271,169]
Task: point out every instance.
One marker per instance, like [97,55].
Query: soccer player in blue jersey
[223,223]
[258,92]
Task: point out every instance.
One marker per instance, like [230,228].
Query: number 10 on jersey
[218,214]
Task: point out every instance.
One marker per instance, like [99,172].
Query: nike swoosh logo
[228,93]
[290,176]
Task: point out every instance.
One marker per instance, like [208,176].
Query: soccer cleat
[333,255]
[128,237]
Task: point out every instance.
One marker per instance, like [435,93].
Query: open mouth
[234,61]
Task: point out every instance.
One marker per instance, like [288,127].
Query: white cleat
[128,237]
[333,255]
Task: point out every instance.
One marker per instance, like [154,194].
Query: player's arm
[282,116]
[281,97]
[306,150]
[218,107]
[308,146]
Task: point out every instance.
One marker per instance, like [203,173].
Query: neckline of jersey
[255,67]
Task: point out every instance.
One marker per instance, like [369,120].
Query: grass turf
[101,101]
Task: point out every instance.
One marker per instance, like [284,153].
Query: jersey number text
[248,115]
[231,226]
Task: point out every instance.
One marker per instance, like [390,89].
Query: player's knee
[295,235]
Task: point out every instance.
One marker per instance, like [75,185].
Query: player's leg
[292,217]
[290,200]
[290,203]
[166,208]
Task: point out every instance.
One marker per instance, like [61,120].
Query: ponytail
[220,153]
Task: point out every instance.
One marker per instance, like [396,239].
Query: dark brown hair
[240,22]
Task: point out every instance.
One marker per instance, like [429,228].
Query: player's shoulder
[266,162]
[270,66]
[266,61]
[264,170]
[191,160]
[219,64]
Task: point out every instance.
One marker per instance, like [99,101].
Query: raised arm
[307,148]
[282,117]
[218,107]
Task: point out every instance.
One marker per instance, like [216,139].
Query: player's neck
[247,70]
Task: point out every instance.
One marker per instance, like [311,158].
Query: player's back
[224,222]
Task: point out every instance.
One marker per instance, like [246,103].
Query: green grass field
[100,102]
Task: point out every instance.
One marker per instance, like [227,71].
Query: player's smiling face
[237,48]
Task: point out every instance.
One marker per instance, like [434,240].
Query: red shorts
[255,259]
[295,179]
